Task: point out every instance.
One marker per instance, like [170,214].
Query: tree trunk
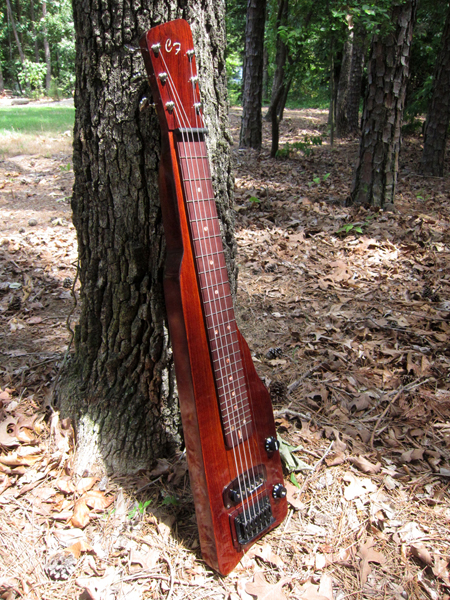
[280,61]
[251,125]
[356,75]
[48,75]
[33,29]
[2,85]
[343,88]
[119,386]
[436,126]
[376,173]
[16,36]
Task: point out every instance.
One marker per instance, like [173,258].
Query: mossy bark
[119,385]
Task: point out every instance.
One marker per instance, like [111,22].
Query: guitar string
[233,332]
[184,120]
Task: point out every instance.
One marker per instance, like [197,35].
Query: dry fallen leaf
[368,555]
[364,465]
[263,590]
[79,547]
[266,553]
[410,455]
[147,560]
[293,496]
[80,517]
[419,551]
[97,500]
[358,487]
[440,569]
[85,484]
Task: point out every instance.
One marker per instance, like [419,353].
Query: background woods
[338,222]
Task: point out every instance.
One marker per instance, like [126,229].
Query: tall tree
[356,75]
[14,28]
[438,117]
[343,87]
[251,124]
[48,74]
[119,385]
[375,176]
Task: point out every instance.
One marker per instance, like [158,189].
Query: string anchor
[156,48]
[163,77]
[170,106]
[190,54]
[194,79]
[198,106]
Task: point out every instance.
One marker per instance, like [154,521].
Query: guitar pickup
[244,485]
[253,521]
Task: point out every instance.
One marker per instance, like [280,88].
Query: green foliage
[170,500]
[254,200]
[57,27]
[32,76]
[357,227]
[305,147]
[139,508]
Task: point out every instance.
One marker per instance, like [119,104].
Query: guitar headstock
[168,52]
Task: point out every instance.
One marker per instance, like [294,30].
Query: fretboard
[215,289]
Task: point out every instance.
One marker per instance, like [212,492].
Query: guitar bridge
[253,521]
[244,485]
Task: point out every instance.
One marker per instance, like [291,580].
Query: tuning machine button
[279,491]
[271,444]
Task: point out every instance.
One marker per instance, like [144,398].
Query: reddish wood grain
[213,463]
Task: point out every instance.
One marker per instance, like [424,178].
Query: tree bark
[436,126]
[343,88]
[16,36]
[251,125]
[119,386]
[376,173]
[48,75]
[356,75]
[33,29]
[280,62]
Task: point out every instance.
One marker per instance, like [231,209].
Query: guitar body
[232,452]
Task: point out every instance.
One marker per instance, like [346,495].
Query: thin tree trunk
[376,173]
[119,386]
[331,114]
[48,75]
[13,25]
[280,60]
[251,125]
[343,88]
[33,29]
[436,126]
[2,85]
[356,74]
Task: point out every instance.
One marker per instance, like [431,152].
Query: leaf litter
[346,311]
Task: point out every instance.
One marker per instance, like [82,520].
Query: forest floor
[347,313]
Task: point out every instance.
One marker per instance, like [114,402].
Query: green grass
[36,119]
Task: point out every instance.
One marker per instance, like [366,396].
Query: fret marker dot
[230,379]
[229,328]
[228,361]
[211,262]
[233,394]
[199,190]
[216,332]
[217,292]
[205,229]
